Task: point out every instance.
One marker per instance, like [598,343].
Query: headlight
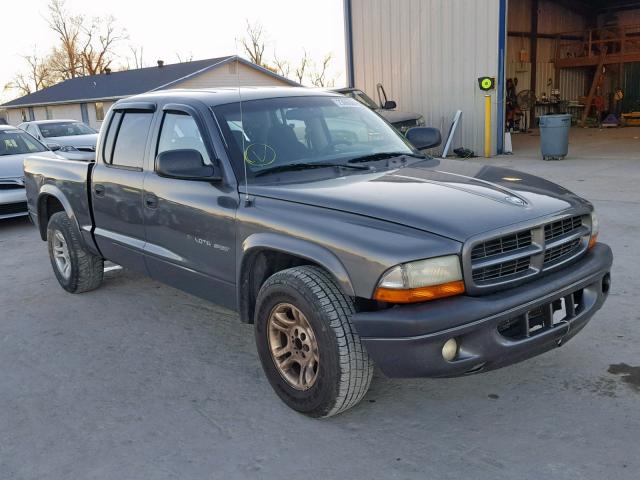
[68,148]
[595,229]
[422,280]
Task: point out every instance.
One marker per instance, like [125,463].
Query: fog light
[450,349]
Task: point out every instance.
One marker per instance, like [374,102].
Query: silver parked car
[15,146]
[69,138]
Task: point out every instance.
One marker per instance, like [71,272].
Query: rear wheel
[309,350]
[77,269]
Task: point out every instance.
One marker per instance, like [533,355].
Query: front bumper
[13,203]
[492,331]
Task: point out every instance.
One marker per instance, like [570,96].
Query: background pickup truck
[314,219]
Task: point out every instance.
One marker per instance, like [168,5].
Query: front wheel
[309,350]
[77,269]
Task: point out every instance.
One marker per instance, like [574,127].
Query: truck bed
[65,180]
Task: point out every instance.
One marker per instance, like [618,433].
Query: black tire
[344,368]
[85,269]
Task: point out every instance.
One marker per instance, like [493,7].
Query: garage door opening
[576,57]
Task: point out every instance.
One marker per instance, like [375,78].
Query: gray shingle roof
[121,84]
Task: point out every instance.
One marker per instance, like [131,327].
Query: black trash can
[554,136]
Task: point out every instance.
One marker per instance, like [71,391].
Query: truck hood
[393,116]
[11,166]
[88,140]
[450,198]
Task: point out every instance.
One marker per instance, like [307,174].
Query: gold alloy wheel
[293,346]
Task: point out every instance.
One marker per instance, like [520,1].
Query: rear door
[190,225]
[117,182]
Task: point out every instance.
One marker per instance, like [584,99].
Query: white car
[15,146]
[68,138]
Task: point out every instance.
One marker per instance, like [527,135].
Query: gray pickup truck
[310,216]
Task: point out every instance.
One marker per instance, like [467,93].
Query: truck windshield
[64,129]
[16,142]
[270,134]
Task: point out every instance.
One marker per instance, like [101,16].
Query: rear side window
[131,140]
[110,137]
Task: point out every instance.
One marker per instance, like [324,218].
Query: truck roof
[221,96]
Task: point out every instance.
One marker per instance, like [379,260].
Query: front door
[116,188]
[190,225]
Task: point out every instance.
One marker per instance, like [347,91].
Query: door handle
[150,200]
[99,190]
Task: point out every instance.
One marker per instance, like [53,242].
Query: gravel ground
[139,381]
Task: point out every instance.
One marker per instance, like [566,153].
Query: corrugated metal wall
[428,54]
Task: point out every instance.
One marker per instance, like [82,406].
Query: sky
[195,28]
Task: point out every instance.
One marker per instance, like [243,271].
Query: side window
[131,139]
[180,132]
[107,149]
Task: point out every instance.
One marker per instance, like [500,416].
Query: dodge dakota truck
[306,213]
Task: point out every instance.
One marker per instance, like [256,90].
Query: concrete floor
[140,381]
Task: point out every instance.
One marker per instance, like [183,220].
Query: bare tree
[38,76]
[319,73]
[254,43]
[85,45]
[301,71]
[185,58]
[138,58]
[281,66]
[99,37]
[68,61]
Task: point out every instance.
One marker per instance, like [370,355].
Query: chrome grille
[561,227]
[554,253]
[500,260]
[501,245]
[501,270]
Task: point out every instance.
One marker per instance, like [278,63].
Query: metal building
[429,54]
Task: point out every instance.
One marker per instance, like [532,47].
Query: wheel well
[259,266]
[47,206]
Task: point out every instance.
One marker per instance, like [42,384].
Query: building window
[99,111]
[48,114]
[23,115]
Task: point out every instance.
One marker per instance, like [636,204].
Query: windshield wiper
[305,166]
[384,156]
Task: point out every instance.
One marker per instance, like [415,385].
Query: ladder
[594,85]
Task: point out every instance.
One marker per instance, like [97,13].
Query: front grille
[11,186]
[11,208]
[561,227]
[555,253]
[521,254]
[501,270]
[501,245]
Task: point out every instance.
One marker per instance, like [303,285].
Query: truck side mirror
[389,105]
[185,164]
[424,137]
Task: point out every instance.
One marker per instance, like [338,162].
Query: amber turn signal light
[421,294]
[592,241]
